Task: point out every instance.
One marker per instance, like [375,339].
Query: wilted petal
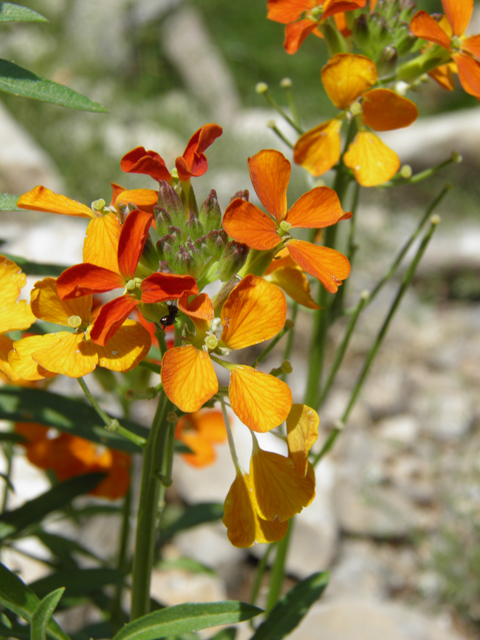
[66,353]
[46,304]
[260,400]
[149,163]
[85,279]
[132,241]
[129,346]
[160,287]
[295,283]
[246,223]
[372,162]
[255,311]
[385,110]
[346,77]
[42,199]
[111,317]
[302,433]
[318,208]
[20,359]
[327,265]
[459,13]
[424,26]
[188,377]
[468,73]
[270,173]
[101,242]
[319,149]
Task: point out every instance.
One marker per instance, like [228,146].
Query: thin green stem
[259,573]
[283,113]
[399,180]
[116,613]
[8,453]
[288,327]
[287,87]
[272,125]
[291,335]
[231,442]
[278,569]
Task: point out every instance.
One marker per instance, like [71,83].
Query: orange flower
[287,275]
[464,50]
[73,354]
[192,163]
[347,78]
[254,311]
[320,207]
[69,456]
[302,17]
[200,431]
[87,278]
[15,314]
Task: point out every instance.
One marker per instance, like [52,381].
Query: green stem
[271,124]
[8,452]
[116,613]
[288,327]
[152,493]
[291,335]
[278,570]
[260,572]
[284,115]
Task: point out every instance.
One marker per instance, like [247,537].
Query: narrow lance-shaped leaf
[184,618]
[20,82]
[43,614]
[192,517]
[290,610]
[78,582]
[16,13]
[30,268]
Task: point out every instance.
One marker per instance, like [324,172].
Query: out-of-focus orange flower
[73,353]
[15,314]
[318,208]
[348,80]
[200,431]
[302,17]
[87,278]
[465,50]
[70,456]
[254,311]
[192,163]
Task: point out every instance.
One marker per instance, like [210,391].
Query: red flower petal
[149,163]
[193,161]
[246,223]
[85,279]
[111,317]
[167,286]
[132,240]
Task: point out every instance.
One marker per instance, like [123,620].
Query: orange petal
[286,11]
[20,359]
[282,259]
[66,353]
[238,513]
[295,283]
[279,492]
[332,7]
[246,223]
[160,287]
[372,162]
[193,162]
[199,309]
[117,482]
[459,13]
[325,264]
[384,110]
[424,26]
[260,400]
[319,149]
[188,377]
[468,73]
[85,279]
[318,208]
[31,431]
[111,317]
[270,174]
[210,424]
[266,531]
[144,199]
[472,45]
[203,453]
[255,311]
[132,240]
[443,75]
[46,304]
[346,77]
[302,433]
[14,315]
[296,33]
[116,191]
[149,163]
[6,345]
[42,199]
[129,346]
[101,242]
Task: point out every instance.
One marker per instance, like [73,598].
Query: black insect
[169,319]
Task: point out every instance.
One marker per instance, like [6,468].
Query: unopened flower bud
[435,219]
[168,199]
[404,40]
[287,367]
[201,245]
[198,257]
[261,87]
[149,257]
[335,41]
[406,171]
[216,243]
[162,220]
[286,83]
[232,260]
[210,214]
[176,234]
[361,32]
[244,195]
[388,61]
[166,248]
[164,267]
[183,262]
[194,226]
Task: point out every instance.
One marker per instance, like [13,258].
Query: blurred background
[397,516]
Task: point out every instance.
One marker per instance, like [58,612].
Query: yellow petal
[238,513]
[46,304]
[278,491]
[255,311]
[260,400]
[302,433]
[66,353]
[101,242]
[319,149]
[6,345]
[266,531]
[188,377]
[372,162]
[294,282]
[20,359]
[42,199]
[13,315]
[129,346]
[346,77]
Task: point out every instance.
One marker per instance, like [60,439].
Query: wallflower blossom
[318,208]
[192,163]
[287,275]
[348,78]
[70,456]
[303,17]
[200,431]
[87,278]
[14,314]
[73,354]
[254,311]
[450,35]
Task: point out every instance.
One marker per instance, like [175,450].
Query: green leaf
[17,597]
[20,82]
[184,618]
[21,404]
[36,268]
[62,548]
[43,614]
[192,517]
[289,611]
[16,13]
[230,633]
[32,512]
[77,582]
[8,202]
[10,436]
[184,564]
